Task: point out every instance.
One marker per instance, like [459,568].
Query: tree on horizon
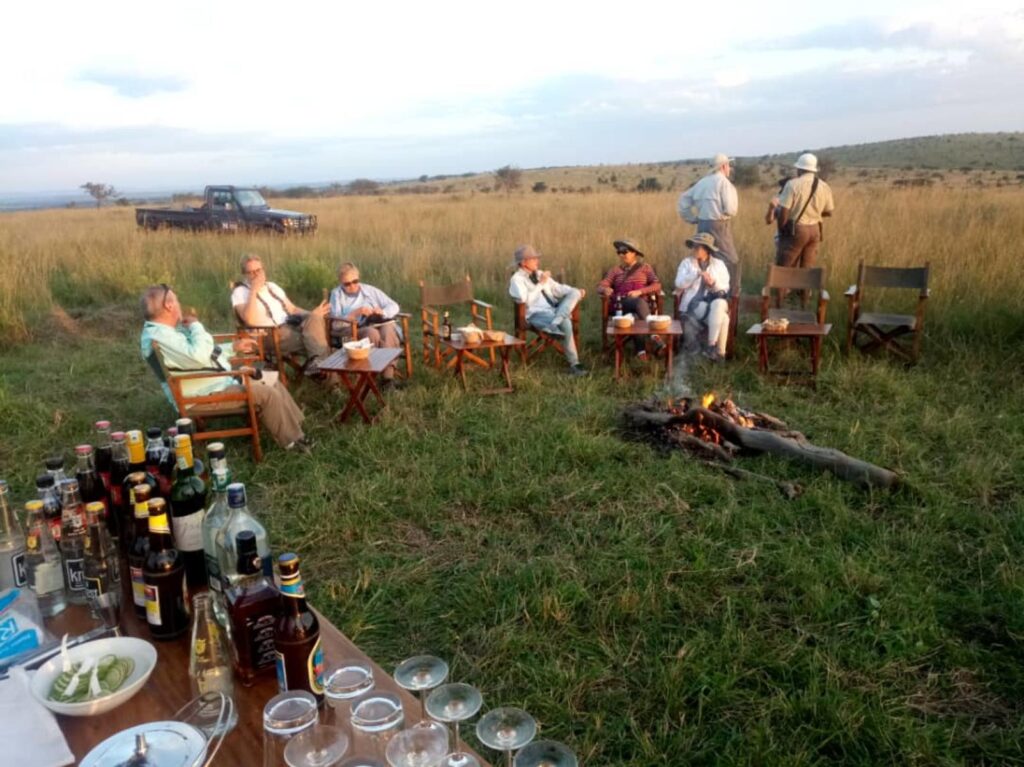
[508,178]
[99,192]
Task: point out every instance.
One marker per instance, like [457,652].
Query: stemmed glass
[417,747]
[546,753]
[506,729]
[455,702]
[420,674]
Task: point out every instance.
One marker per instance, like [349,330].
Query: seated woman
[703,282]
[630,285]
[373,310]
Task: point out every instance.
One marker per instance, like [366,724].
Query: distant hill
[975,151]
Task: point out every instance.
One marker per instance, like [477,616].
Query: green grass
[646,609]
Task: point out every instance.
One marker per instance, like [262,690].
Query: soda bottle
[169,461]
[42,561]
[188,507]
[12,546]
[167,607]
[91,486]
[138,549]
[253,605]
[119,464]
[238,520]
[55,468]
[49,495]
[300,659]
[155,452]
[102,569]
[72,541]
[104,453]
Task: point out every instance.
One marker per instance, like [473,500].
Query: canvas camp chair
[542,338]
[781,280]
[236,403]
[870,331]
[340,330]
[269,339]
[434,299]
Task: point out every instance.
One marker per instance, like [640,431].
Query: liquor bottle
[240,519]
[132,480]
[164,575]
[155,452]
[253,606]
[49,494]
[169,461]
[213,522]
[91,487]
[188,507]
[55,468]
[138,549]
[217,456]
[209,662]
[186,426]
[72,540]
[104,453]
[42,561]
[102,569]
[12,545]
[446,327]
[119,464]
[618,306]
[300,658]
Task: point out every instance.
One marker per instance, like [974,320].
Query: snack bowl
[494,335]
[625,321]
[139,650]
[357,350]
[470,337]
[658,322]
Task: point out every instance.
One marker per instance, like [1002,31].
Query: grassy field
[648,610]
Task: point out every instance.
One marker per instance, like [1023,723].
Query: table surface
[460,344]
[168,689]
[793,329]
[377,362]
[639,328]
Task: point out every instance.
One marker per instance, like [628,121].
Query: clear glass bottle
[49,494]
[240,519]
[215,519]
[102,569]
[209,662]
[72,540]
[42,560]
[55,468]
[12,545]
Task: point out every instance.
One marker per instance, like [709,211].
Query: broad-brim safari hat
[631,244]
[807,161]
[704,239]
[524,252]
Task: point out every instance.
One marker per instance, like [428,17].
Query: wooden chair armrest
[766,292]
[825,297]
[482,304]
[926,293]
[851,291]
[183,376]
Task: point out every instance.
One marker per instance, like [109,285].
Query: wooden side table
[639,328]
[812,331]
[360,378]
[463,351]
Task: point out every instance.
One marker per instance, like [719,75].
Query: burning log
[722,423]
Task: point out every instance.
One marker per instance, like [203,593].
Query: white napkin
[28,730]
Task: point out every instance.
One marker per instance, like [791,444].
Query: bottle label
[153,605]
[260,633]
[76,574]
[94,589]
[188,532]
[48,578]
[18,570]
[55,529]
[117,496]
[292,587]
[282,675]
[138,586]
[315,666]
[213,574]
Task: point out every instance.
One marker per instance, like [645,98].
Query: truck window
[250,198]
[221,200]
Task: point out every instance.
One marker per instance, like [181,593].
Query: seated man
[703,281]
[260,303]
[373,309]
[629,285]
[549,304]
[186,345]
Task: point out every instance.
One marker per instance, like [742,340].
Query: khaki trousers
[311,338]
[801,249]
[277,411]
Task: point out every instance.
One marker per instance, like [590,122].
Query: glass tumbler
[284,716]
[376,717]
[344,683]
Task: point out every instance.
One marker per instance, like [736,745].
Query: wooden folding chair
[781,280]
[340,330]
[542,339]
[433,299]
[869,331]
[269,339]
[223,404]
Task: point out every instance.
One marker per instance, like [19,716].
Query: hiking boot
[302,445]
[712,354]
[577,371]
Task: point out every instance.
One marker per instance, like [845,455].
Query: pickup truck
[228,209]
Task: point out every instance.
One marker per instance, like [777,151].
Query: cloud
[134,86]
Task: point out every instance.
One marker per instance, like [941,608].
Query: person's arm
[719,275]
[249,309]
[189,347]
[387,305]
[685,206]
[686,275]
[604,287]
[730,199]
[335,301]
[785,203]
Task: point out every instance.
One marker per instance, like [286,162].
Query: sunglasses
[623,251]
[167,290]
[350,283]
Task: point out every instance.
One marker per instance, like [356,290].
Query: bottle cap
[118,436]
[35,505]
[83,449]
[154,432]
[44,480]
[136,478]
[55,462]
[236,495]
[216,450]
[184,425]
[95,507]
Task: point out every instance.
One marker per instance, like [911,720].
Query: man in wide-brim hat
[711,204]
[703,285]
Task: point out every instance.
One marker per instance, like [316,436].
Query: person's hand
[708,279]
[188,316]
[258,280]
[322,308]
[583,293]
[245,345]
[634,294]
[603,291]
[544,277]
[366,311]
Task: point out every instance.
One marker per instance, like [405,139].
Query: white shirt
[526,291]
[688,278]
[713,196]
[274,299]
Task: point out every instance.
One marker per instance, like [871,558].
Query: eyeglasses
[350,283]
[251,272]
[623,251]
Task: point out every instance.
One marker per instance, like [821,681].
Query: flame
[707,399]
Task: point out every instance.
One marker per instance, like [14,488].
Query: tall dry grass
[78,259]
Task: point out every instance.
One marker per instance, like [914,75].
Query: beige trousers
[277,411]
[311,338]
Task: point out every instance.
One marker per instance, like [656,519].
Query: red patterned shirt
[640,276]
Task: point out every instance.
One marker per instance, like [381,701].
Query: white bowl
[139,650]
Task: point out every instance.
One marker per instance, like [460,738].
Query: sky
[149,96]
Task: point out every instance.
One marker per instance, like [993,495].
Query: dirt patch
[93,323]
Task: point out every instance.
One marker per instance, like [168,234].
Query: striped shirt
[622,280]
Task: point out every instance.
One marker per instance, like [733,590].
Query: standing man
[260,303]
[186,345]
[804,202]
[711,203]
[372,308]
[549,304]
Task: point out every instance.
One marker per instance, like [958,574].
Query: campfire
[719,430]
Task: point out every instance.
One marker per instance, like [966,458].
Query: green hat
[704,239]
[631,244]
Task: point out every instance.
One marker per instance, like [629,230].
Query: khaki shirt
[795,194]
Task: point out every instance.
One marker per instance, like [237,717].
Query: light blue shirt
[343,304]
[187,348]
[713,197]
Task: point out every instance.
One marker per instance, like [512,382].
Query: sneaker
[302,445]
[712,354]
[642,355]
[659,346]
[577,371]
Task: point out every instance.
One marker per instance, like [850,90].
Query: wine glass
[318,746]
[546,753]
[343,683]
[417,747]
[506,729]
[455,702]
[420,674]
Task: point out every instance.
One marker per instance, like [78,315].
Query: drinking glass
[506,729]
[343,683]
[455,703]
[362,761]
[417,747]
[318,746]
[546,753]
[420,674]
[284,716]
[376,718]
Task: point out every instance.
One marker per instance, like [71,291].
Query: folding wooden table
[463,351]
[639,328]
[360,378]
[812,331]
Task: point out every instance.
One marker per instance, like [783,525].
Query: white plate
[139,650]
